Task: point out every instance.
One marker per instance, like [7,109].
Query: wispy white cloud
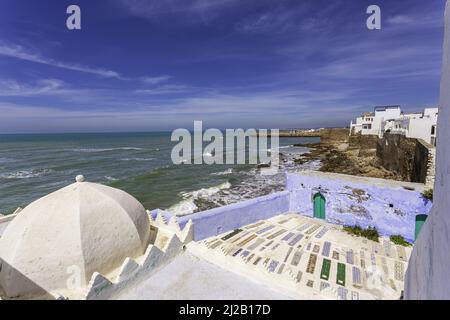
[166,89]
[19,52]
[272,109]
[416,22]
[192,10]
[278,20]
[155,80]
[400,19]
[12,88]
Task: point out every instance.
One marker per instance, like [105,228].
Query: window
[433,130]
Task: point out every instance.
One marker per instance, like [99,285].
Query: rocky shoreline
[337,152]
[340,153]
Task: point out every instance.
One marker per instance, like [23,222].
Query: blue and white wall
[219,220]
[349,201]
[359,201]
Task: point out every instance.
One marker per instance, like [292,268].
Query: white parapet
[169,243]
[427,274]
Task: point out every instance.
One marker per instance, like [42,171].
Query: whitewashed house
[419,125]
[424,127]
[370,123]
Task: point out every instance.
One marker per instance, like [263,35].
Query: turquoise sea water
[32,166]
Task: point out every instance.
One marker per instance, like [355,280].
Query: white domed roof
[77,230]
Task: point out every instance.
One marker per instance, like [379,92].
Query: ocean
[33,165]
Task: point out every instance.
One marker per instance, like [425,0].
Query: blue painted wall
[371,209]
[219,220]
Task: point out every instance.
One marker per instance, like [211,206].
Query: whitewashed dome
[79,229]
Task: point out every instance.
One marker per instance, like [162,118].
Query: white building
[371,122]
[424,127]
[419,125]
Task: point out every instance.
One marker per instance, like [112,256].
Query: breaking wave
[25,174]
[109,178]
[105,149]
[223,173]
[137,159]
[188,206]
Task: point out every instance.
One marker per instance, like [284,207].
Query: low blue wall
[218,220]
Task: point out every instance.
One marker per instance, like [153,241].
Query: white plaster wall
[4,222]
[218,220]
[431,112]
[391,113]
[378,119]
[428,271]
[420,128]
[380,116]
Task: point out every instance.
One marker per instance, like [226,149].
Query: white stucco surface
[5,221]
[428,272]
[188,278]
[73,231]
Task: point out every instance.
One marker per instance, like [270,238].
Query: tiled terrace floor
[314,258]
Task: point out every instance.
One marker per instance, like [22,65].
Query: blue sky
[145,65]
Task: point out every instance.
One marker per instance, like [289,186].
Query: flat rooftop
[188,277]
[288,256]
[308,257]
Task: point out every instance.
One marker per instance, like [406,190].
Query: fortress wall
[412,159]
[424,164]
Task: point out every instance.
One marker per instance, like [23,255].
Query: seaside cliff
[392,157]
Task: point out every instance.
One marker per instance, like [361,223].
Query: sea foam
[25,174]
[105,149]
[188,206]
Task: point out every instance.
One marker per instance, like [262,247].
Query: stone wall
[396,153]
[359,141]
[424,163]
[411,159]
[334,135]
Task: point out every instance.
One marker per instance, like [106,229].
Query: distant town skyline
[158,65]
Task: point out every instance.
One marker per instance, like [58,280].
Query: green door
[319,206]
